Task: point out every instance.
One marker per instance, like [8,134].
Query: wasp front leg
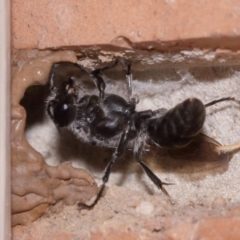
[63,71]
[122,145]
[98,79]
[100,83]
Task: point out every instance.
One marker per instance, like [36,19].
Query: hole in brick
[194,185]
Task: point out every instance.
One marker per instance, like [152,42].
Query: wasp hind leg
[148,171]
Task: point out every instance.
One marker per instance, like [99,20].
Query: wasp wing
[201,149]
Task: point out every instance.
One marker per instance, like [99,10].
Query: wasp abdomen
[178,126]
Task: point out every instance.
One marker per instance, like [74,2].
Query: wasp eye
[65,107]
[62,113]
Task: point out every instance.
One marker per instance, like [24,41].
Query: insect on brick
[109,120]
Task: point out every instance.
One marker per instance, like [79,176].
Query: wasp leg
[98,79]
[122,145]
[63,71]
[127,63]
[149,172]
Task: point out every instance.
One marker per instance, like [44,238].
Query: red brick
[46,23]
[209,228]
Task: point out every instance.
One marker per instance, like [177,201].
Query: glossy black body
[62,108]
[179,125]
[110,120]
[106,118]
[103,119]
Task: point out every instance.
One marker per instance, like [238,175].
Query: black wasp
[110,120]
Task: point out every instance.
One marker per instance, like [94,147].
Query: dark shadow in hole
[34,102]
